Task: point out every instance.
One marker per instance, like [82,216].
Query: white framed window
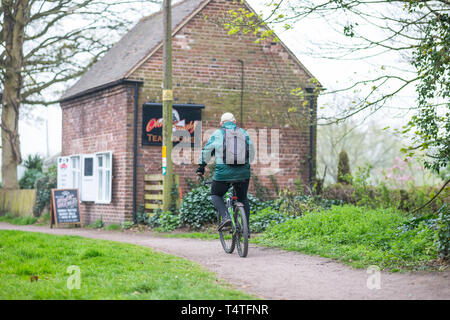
[91,174]
[103,176]
[75,167]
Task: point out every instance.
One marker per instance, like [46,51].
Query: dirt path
[277,274]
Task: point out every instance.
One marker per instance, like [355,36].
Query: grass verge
[108,270]
[13,219]
[356,236]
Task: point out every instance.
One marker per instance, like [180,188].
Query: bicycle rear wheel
[241,234]
[226,237]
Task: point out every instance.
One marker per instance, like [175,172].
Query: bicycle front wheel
[226,237]
[241,234]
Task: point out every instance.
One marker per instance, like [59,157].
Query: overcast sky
[307,40]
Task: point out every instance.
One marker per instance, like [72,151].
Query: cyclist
[225,173]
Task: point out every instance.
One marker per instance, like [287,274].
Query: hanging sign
[186,117]
[64,173]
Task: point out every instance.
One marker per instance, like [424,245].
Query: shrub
[383,197]
[43,186]
[260,221]
[127,225]
[33,164]
[440,223]
[98,224]
[29,178]
[161,221]
[153,219]
[168,221]
[290,203]
[197,209]
[344,193]
[256,205]
[141,215]
[443,231]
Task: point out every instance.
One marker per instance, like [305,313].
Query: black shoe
[225,223]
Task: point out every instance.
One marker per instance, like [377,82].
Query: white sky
[301,40]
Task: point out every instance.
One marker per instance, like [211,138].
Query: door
[89,190]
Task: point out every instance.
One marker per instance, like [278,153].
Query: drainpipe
[242,92]
[136,84]
[311,135]
[136,105]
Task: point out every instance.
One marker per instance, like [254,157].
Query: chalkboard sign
[65,207]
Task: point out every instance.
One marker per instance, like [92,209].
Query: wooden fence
[18,202]
[153,191]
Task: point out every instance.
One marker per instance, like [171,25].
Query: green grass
[356,236]
[112,226]
[13,219]
[109,270]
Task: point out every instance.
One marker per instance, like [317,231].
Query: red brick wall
[103,122]
[206,71]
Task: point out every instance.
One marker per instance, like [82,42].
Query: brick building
[105,114]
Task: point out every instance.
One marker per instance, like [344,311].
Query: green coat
[224,172]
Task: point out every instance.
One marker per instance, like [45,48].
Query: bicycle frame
[239,234]
[230,202]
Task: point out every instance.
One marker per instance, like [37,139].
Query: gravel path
[277,274]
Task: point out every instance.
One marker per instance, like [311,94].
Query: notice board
[65,209]
[186,117]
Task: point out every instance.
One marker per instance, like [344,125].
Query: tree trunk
[14,20]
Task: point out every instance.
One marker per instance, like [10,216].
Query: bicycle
[237,234]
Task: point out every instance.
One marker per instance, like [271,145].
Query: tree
[43,45]
[416,29]
[343,175]
[366,143]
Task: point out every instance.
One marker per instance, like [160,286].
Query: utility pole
[167,98]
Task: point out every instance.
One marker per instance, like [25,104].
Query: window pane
[75,171]
[108,161]
[100,161]
[100,185]
[88,167]
[107,185]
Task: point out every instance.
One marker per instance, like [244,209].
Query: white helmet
[227,117]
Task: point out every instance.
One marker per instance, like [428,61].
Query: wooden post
[167,98]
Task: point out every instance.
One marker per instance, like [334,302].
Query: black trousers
[218,190]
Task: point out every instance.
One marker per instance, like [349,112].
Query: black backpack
[235,147]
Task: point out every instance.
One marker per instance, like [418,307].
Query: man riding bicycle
[232,149]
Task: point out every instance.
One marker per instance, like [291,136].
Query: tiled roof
[131,49]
